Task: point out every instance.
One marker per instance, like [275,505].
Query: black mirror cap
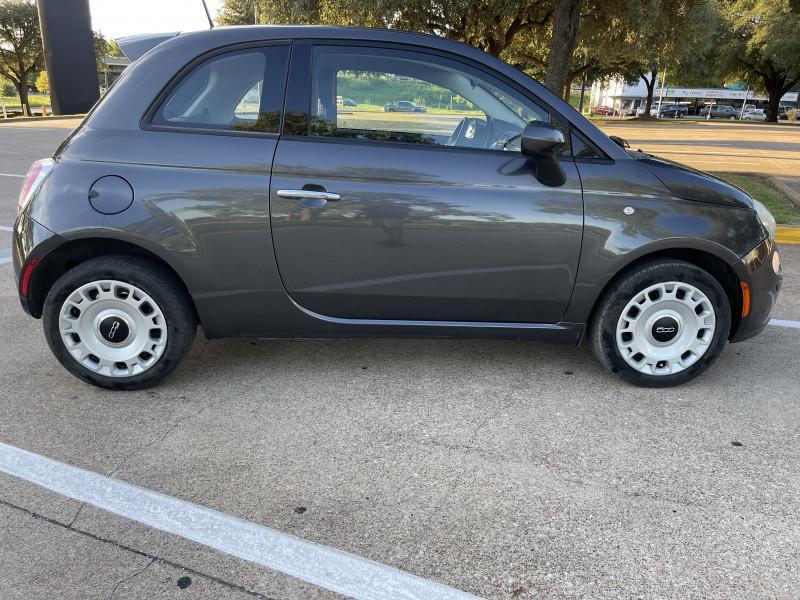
[540,137]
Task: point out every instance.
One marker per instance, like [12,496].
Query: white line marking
[319,565]
[12,175]
[5,260]
[784,323]
[5,228]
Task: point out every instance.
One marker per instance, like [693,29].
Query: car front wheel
[661,324]
[119,322]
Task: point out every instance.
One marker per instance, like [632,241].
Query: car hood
[690,184]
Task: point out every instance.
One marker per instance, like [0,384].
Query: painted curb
[788,235]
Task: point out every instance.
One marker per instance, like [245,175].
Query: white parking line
[785,323]
[12,175]
[6,228]
[319,565]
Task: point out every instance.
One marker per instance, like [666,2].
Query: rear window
[235,91]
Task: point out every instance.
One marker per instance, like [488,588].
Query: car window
[410,97]
[235,91]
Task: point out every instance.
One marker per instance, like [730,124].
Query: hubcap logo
[665,329]
[114,330]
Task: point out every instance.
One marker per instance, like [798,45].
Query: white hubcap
[666,328]
[113,328]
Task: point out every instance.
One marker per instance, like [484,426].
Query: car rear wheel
[119,322]
[661,324]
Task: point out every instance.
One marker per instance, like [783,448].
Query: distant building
[615,93]
[110,70]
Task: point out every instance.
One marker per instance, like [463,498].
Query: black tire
[153,279]
[602,328]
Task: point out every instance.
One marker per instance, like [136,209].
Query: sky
[117,18]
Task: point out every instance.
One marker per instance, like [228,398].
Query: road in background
[717,145]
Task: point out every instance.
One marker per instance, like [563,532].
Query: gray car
[216,184]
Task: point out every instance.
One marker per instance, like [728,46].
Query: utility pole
[583,88]
[746,94]
[661,95]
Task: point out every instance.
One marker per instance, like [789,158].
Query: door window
[411,97]
[235,91]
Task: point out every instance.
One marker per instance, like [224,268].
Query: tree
[20,45]
[566,20]
[6,87]
[43,83]
[601,47]
[661,34]
[763,46]
[490,25]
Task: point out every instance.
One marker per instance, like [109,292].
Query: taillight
[33,181]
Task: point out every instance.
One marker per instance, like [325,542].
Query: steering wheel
[470,132]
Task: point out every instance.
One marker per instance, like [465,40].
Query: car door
[418,216]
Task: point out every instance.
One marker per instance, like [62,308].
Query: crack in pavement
[180,421]
[153,557]
[130,578]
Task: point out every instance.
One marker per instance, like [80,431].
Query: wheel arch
[76,251]
[718,268]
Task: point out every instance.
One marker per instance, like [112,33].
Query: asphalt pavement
[498,468]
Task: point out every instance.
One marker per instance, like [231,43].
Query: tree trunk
[776,88]
[651,86]
[22,92]
[566,20]
[568,87]
[773,104]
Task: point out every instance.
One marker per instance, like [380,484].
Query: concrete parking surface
[503,469]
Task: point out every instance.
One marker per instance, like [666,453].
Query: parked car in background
[405,106]
[527,222]
[672,111]
[754,114]
[349,102]
[783,112]
[720,111]
[603,111]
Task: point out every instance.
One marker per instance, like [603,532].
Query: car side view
[404,106]
[217,184]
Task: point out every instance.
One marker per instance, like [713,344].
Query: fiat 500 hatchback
[218,183]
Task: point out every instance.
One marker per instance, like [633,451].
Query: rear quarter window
[235,91]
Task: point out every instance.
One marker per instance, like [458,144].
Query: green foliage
[7,88]
[762,46]
[379,90]
[43,83]
[20,44]
[490,25]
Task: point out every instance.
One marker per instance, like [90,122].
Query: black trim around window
[298,94]
[276,102]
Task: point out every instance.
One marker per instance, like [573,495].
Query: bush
[7,88]
[793,115]
[43,83]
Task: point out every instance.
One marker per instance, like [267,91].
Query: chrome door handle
[301,194]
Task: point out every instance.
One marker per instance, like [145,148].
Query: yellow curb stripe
[788,235]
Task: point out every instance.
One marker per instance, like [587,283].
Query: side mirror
[540,137]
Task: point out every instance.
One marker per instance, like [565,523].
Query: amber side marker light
[745,299]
